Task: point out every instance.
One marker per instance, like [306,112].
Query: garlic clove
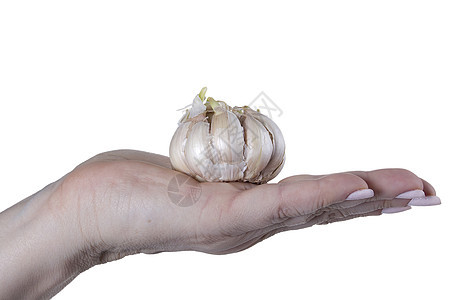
[228,171]
[278,157]
[228,142]
[258,148]
[177,148]
[277,170]
[227,136]
[204,161]
[198,151]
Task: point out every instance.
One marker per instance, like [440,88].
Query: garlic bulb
[214,142]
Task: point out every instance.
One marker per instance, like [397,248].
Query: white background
[362,85]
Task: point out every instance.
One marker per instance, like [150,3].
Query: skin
[117,204]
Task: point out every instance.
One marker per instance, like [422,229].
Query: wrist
[43,243]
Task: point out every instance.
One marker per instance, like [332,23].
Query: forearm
[38,250]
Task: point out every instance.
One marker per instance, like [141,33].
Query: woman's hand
[125,202]
[130,202]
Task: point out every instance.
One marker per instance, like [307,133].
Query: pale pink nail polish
[393,210]
[361,194]
[425,201]
[411,194]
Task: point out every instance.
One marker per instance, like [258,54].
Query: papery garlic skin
[215,142]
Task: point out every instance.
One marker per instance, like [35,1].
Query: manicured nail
[361,194]
[411,194]
[393,210]
[425,201]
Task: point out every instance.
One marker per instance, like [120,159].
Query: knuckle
[407,178]
[385,204]
[357,179]
[283,210]
[331,216]
[336,214]
[282,213]
[403,173]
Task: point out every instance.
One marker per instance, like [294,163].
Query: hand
[125,202]
[128,202]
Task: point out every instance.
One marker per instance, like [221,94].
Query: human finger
[255,237]
[134,155]
[389,183]
[269,204]
[297,178]
[428,188]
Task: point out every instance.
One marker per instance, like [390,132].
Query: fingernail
[361,194]
[393,210]
[411,194]
[425,201]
